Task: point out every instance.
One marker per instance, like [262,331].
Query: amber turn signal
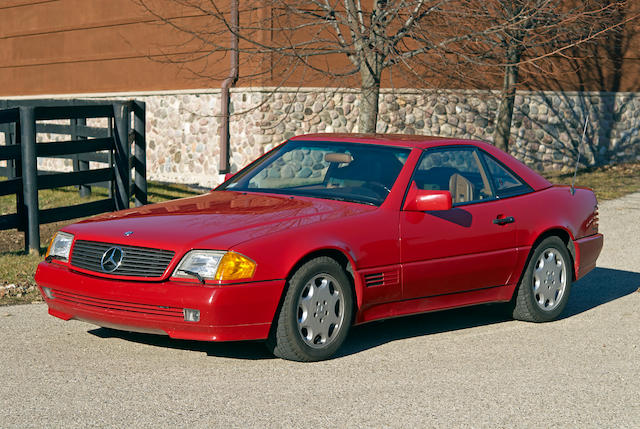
[235,266]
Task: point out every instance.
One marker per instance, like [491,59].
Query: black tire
[544,288]
[319,297]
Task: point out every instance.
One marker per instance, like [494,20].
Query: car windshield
[353,172]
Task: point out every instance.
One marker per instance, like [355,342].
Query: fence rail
[111,145]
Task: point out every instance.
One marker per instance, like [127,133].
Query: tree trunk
[607,106]
[370,91]
[507,100]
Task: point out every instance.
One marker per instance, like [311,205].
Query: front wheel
[544,289]
[316,313]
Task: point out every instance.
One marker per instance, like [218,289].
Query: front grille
[130,308]
[136,261]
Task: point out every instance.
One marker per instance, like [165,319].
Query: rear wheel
[316,313]
[544,289]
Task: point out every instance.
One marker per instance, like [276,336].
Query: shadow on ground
[601,286]
[250,350]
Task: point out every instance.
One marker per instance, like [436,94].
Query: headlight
[60,246]
[204,263]
[215,265]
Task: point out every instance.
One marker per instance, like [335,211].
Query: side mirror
[419,200]
[228,176]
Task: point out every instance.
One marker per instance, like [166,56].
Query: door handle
[504,220]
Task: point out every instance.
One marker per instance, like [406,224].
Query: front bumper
[227,313]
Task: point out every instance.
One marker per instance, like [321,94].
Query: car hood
[218,220]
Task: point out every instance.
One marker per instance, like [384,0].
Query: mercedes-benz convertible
[326,231]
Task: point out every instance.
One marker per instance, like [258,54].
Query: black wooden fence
[118,145]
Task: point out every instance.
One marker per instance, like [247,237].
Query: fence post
[140,153]
[110,133]
[17,168]
[30,178]
[9,131]
[78,165]
[122,121]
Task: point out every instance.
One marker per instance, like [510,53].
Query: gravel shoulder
[460,368]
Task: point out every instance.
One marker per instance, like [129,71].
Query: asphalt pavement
[461,368]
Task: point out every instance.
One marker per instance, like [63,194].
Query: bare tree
[339,40]
[345,41]
[522,38]
[603,73]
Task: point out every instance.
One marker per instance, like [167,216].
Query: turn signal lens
[235,266]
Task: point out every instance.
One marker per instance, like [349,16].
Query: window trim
[525,187]
[483,165]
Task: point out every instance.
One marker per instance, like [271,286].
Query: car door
[470,247]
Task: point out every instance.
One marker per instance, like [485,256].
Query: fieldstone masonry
[183,142]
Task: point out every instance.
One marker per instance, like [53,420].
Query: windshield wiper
[348,200]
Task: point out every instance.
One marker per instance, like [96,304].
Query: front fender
[366,240]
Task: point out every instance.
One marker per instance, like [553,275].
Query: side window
[504,182]
[457,170]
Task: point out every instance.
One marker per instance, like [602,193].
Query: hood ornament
[128,233]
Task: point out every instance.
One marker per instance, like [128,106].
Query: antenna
[575,171]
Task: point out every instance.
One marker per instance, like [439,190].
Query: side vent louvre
[374,279]
[385,278]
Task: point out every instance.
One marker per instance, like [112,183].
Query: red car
[326,231]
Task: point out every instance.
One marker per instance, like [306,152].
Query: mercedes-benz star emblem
[128,233]
[111,259]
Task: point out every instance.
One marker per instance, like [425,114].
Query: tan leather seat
[461,189]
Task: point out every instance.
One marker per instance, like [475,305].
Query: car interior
[374,172]
[460,186]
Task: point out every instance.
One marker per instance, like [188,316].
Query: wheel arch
[566,237]
[343,258]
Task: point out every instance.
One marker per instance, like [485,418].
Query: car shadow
[599,287]
[249,350]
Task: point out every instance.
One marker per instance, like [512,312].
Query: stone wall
[183,142]
[546,130]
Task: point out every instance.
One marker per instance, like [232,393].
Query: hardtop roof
[535,180]
[405,140]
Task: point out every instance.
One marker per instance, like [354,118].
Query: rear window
[505,183]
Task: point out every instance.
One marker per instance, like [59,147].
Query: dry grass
[17,268]
[607,182]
